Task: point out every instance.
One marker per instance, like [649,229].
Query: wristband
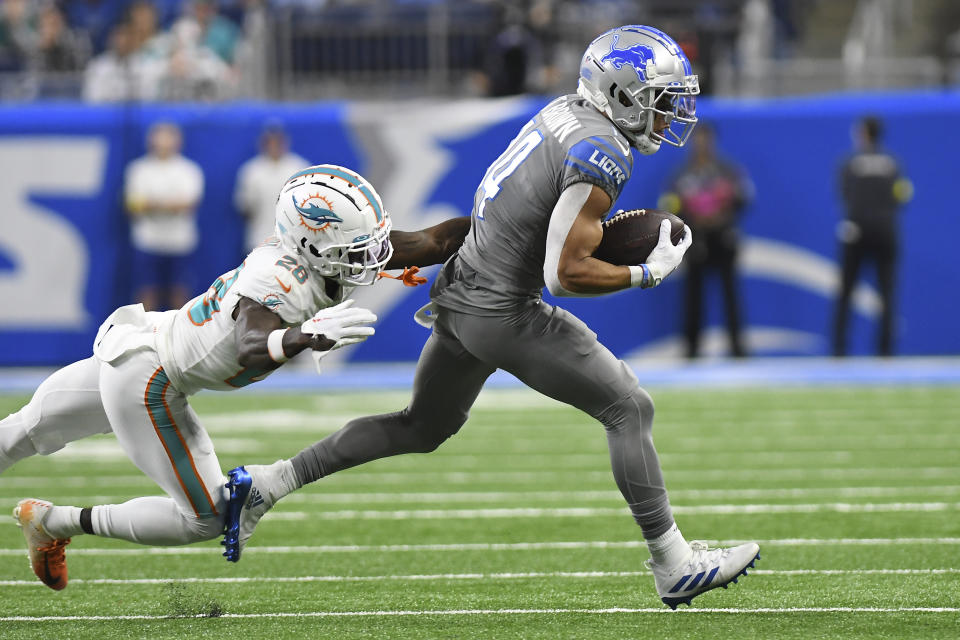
[275,346]
[639,276]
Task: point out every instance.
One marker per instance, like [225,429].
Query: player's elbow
[566,281]
[250,351]
[246,359]
[551,278]
[555,288]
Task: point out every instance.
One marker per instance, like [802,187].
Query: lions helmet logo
[316,212]
[638,56]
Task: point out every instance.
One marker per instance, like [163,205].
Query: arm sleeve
[564,213]
[602,161]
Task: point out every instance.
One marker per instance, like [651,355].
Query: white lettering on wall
[45,289]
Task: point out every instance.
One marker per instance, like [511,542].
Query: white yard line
[575,575]
[419,475]
[489,546]
[494,612]
[591,512]
[100,452]
[594,512]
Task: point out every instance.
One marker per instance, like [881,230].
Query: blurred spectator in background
[709,193]
[259,180]
[203,26]
[873,190]
[255,55]
[114,75]
[16,33]
[148,40]
[193,73]
[162,192]
[510,56]
[56,51]
[514,61]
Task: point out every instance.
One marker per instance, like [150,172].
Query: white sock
[287,477]
[669,549]
[63,522]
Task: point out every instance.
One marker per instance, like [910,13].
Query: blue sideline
[761,372]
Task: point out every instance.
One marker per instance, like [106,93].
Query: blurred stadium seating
[309,49]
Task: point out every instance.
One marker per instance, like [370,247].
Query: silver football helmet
[334,220]
[634,72]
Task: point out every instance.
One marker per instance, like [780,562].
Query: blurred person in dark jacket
[873,190]
[17,32]
[57,47]
[709,193]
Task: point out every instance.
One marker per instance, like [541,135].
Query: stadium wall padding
[65,253]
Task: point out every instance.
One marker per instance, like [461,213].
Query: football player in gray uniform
[537,220]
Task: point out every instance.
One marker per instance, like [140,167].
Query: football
[630,236]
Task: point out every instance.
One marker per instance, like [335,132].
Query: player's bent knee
[202,529]
[634,410]
[46,436]
[644,403]
[427,434]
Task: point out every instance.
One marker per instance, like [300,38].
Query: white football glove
[666,256]
[341,324]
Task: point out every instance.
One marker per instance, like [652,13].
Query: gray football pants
[548,349]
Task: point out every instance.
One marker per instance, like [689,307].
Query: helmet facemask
[356,263]
[333,219]
[677,108]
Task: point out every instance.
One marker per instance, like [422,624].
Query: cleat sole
[238,484]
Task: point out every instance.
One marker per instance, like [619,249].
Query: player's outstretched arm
[432,245]
[254,326]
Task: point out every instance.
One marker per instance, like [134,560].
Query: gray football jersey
[500,264]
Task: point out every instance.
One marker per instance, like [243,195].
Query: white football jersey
[197,346]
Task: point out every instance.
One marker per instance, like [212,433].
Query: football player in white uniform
[289,295]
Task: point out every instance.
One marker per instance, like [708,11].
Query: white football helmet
[334,220]
[632,73]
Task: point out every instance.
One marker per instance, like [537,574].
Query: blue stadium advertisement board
[65,251]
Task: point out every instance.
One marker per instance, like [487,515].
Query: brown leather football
[630,236]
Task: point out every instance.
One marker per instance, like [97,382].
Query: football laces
[622,215]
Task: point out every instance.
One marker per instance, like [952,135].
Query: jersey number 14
[521,147]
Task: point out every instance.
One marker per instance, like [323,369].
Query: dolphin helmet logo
[637,56]
[315,213]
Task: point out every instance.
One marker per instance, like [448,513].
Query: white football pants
[156,428]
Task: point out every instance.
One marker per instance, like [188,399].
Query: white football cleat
[703,570]
[47,557]
[253,490]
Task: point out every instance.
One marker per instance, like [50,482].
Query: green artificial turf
[514,528]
